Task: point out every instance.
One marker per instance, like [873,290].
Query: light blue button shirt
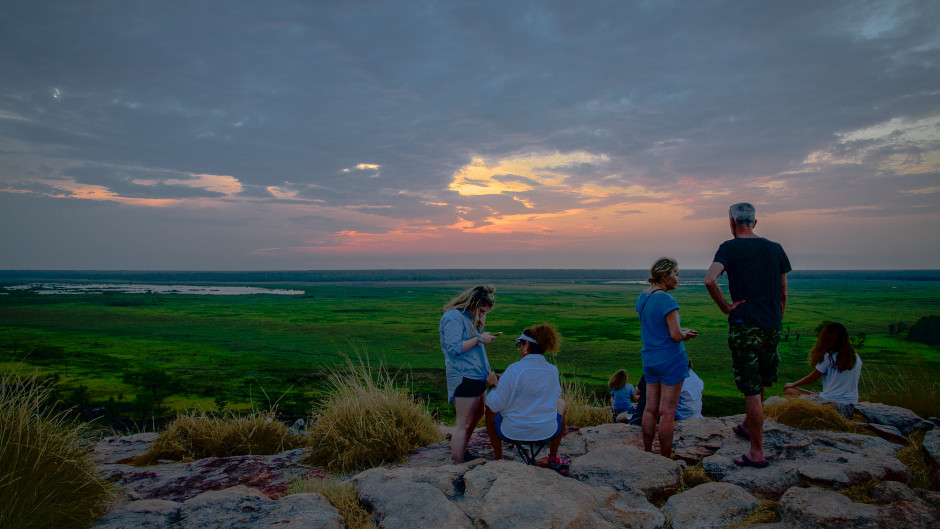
[457,326]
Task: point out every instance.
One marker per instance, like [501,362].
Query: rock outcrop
[611,482]
[710,506]
[238,507]
[497,494]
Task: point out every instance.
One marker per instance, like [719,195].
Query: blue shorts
[668,374]
[498,420]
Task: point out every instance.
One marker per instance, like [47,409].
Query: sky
[245,135]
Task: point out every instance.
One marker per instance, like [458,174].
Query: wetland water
[131,288]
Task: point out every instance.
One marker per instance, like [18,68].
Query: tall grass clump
[47,477]
[367,421]
[808,415]
[582,409]
[905,387]
[340,495]
[912,455]
[197,435]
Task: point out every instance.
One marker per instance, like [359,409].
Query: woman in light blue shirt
[462,340]
[665,364]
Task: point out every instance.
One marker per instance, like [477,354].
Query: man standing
[757,277]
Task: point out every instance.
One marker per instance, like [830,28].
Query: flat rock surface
[497,494]
[901,418]
[237,507]
[799,458]
[182,481]
[121,448]
[709,506]
[626,467]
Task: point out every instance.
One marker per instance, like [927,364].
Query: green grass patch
[242,348]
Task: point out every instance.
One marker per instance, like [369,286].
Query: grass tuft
[198,435]
[912,455]
[367,421]
[693,476]
[860,493]
[340,495]
[582,409]
[47,477]
[766,512]
[808,415]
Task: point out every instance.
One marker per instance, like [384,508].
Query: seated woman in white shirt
[690,399]
[526,397]
[836,362]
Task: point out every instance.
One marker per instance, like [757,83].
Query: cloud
[403,125]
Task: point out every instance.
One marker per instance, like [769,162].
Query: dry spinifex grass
[198,435]
[340,495]
[367,420]
[583,410]
[47,477]
[808,415]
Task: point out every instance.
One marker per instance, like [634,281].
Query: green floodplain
[137,358]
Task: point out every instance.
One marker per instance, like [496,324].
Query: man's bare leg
[754,418]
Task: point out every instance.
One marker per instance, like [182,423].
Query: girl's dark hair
[834,337]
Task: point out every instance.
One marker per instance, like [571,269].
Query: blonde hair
[619,379]
[471,300]
[547,337]
[661,268]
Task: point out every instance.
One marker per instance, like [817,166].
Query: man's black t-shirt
[754,267]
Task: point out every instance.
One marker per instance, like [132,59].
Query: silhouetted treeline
[469,275]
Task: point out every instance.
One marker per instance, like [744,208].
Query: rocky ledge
[611,482]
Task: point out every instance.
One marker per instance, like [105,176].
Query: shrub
[583,410]
[808,415]
[926,330]
[367,421]
[340,495]
[198,435]
[47,477]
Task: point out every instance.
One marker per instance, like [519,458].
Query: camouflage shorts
[754,357]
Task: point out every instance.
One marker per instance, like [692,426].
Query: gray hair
[743,214]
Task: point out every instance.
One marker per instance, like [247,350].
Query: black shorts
[470,388]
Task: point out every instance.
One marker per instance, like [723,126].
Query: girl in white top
[836,362]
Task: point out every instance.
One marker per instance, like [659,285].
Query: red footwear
[555,461]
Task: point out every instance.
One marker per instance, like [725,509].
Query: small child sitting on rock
[622,396]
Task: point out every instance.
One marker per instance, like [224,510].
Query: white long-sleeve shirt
[527,397]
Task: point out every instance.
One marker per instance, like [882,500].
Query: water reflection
[127,288]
